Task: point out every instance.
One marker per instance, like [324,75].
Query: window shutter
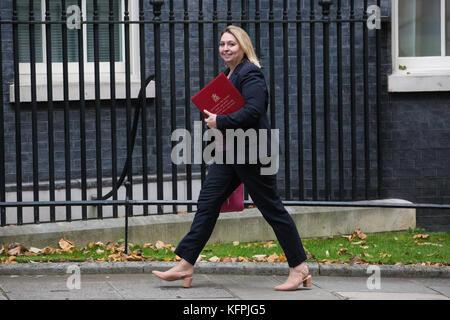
[72,34]
[23,14]
[56,34]
[447,27]
[103,31]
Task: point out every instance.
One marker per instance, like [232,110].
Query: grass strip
[410,247]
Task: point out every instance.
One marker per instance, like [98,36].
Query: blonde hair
[244,42]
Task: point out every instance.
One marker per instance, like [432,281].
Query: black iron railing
[322,65]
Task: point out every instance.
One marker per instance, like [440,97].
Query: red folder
[235,202]
[219,96]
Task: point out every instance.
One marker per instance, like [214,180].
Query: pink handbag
[235,201]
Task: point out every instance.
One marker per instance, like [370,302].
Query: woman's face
[230,50]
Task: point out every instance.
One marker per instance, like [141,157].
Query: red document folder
[235,202]
[219,97]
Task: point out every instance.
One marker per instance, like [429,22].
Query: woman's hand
[211,120]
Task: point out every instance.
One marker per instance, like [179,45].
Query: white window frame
[421,73]
[89,75]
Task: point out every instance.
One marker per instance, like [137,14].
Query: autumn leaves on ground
[414,247]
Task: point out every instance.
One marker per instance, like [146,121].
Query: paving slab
[150,287]
[386,285]
[390,296]
[54,287]
[144,286]
[248,287]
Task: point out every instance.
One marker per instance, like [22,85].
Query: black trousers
[220,182]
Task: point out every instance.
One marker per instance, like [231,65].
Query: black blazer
[250,81]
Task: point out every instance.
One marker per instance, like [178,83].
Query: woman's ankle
[302,267]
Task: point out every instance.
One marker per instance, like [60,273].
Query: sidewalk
[219,281]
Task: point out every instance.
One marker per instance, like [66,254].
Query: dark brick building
[401,129]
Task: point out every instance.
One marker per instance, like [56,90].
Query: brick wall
[415,127]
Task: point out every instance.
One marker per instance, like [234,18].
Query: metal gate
[76,113]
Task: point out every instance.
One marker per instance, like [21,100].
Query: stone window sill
[74,91]
[418,80]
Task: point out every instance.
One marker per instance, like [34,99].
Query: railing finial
[157,4]
[326,4]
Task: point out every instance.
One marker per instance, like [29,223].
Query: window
[41,53]
[420,45]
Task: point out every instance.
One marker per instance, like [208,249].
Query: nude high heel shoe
[174,275]
[187,282]
[295,279]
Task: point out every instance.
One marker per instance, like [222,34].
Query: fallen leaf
[115,257]
[327,253]
[49,250]
[35,250]
[65,244]
[243,259]
[16,249]
[148,245]
[269,244]
[432,244]
[99,251]
[385,255]
[99,243]
[134,257]
[273,258]
[200,257]
[421,236]
[349,238]
[112,245]
[355,259]
[11,260]
[159,244]
[327,261]
[225,259]
[259,257]
[341,251]
[214,259]
[13,245]
[359,234]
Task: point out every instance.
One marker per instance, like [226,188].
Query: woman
[244,72]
